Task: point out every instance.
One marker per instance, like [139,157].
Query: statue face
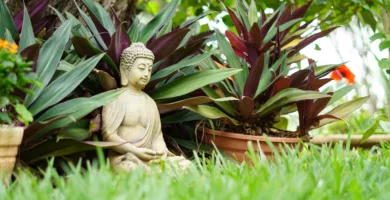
[140,73]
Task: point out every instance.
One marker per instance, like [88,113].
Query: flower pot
[10,139]
[236,145]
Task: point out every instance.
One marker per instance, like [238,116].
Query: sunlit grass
[315,173]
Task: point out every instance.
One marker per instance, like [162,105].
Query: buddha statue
[133,118]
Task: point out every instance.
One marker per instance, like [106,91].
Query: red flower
[343,72]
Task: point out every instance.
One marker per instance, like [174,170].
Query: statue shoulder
[116,102]
[148,97]
[150,100]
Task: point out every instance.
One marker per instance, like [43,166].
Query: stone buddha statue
[133,118]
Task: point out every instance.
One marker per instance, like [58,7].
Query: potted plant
[15,75]
[267,88]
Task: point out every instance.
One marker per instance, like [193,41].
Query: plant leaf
[253,79]
[84,47]
[64,85]
[6,21]
[282,124]
[119,42]
[169,107]
[163,17]
[368,18]
[24,114]
[78,130]
[52,148]
[246,107]
[93,28]
[133,31]
[239,26]
[252,15]
[193,20]
[192,82]
[287,96]
[225,106]
[101,14]
[340,93]
[377,36]
[5,118]
[181,116]
[210,112]
[165,45]
[106,80]
[49,57]
[27,36]
[370,131]
[343,110]
[74,109]
[384,45]
[184,63]
[232,59]
[31,53]
[301,11]
[36,11]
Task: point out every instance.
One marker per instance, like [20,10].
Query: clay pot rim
[246,137]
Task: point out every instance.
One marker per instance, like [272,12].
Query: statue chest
[137,112]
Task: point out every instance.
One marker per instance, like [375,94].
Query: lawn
[315,173]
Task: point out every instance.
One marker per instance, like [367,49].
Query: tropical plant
[175,49]
[267,87]
[79,75]
[15,75]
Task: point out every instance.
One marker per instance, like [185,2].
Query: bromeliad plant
[266,88]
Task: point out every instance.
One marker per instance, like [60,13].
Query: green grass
[320,173]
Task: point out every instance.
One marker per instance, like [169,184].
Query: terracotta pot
[236,145]
[10,139]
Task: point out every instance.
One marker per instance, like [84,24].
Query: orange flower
[11,47]
[343,72]
[14,48]
[3,44]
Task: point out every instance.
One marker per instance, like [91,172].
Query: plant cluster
[15,75]
[268,87]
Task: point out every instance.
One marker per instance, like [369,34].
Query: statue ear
[124,80]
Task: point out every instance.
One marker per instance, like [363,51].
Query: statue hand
[165,153]
[146,154]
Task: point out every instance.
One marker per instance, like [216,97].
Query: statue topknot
[130,54]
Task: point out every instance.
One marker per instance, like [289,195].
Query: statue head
[136,65]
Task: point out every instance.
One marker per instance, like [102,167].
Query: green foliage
[6,21]
[49,57]
[15,75]
[27,36]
